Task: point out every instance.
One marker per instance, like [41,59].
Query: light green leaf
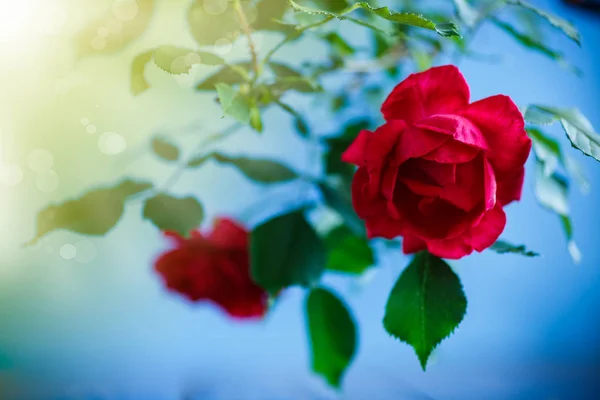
[169,213]
[268,15]
[348,253]
[546,149]
[95,213]
[139,84]
[300,84]
[259,170]
[256,119]
[502,247]
[177,60]
[283,70]
[340,200]
[333,335]
[233,103]
[447,29]
[426,304]
[466,13]
[339,45]
[286,251]
[210,21]
[165,150]
[565,26]
[578,128]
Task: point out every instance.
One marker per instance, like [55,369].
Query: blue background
[108,330]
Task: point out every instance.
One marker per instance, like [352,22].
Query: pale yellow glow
[24,21]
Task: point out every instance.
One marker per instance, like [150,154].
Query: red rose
[439,171]
[214,267]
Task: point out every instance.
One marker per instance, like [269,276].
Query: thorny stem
[248,32]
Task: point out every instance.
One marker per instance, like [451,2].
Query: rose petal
[489,185]
[503,126]
[509,185]
[415,142]
[388,182]
[452,152]
[489,229]
[453,249]
[383,141]
[355,153]
[412,244]
[421,188]
[383,226]
[429,172]
[438,90]
[458,127]
[228,234]
[468,189]
[363,206]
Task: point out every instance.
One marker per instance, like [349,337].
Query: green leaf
[534,44]
[233,103]
[95,213]
[466,13]
[411,19]
[165,150]
[299,122]
[337,145]
[300,84]
[229,75]
[578,128]
[169,213]
[139,84]
[333,335]
[109,33]
[502,247]
[329,5]
[347,252]
[268,13]
[255,119]
[286,251]
[259,170]
[198,161]
[339,45]
[340,200]
[283,71]
[177,60]
[565,26]
[210,21]
[426,304]
[547,150]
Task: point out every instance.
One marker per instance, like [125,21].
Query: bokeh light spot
[125,10]
[215,7]
[68,251]
[91,129]
[111,143]
[223,46]
[40,160]
[11,175]
[47,181]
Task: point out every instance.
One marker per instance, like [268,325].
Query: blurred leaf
[502,247]
[299,122]
[333,335]
[337,145]
[340,46]
[466,13]
[340,200]
[327,5]
[198,161]
[534,44]
[565,26]
[233,103]
[229,75]
[210,21]
[426,304]
[339,102]
[445,29]
[578,128]
[422,59]
[122,24]
[169,213]
[546,149]
[283,71]
[165,150]
[255,119]
[299,84]
[259,170]
[576,172]
[177,60]
[95,213]
[286,251]
[268,13]
[347,252]
[139,84]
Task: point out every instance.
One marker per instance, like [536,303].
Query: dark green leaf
[109,33]
[95,213]
[259,170]
[340,200]
[198,161]
[337,145]
[426,304]
[347,252]
[165,150]
[169,213]
[333,335]
[565,26]
[534,44]
[286,251]
[229,75]
[299,122]
[283,71]
[233,103]
[411,19]
[340,46]
[139,84]
[502,247]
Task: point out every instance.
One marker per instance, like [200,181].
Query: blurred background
[86,318]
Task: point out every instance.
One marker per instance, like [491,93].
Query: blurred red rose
[216,268]
[439,170]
